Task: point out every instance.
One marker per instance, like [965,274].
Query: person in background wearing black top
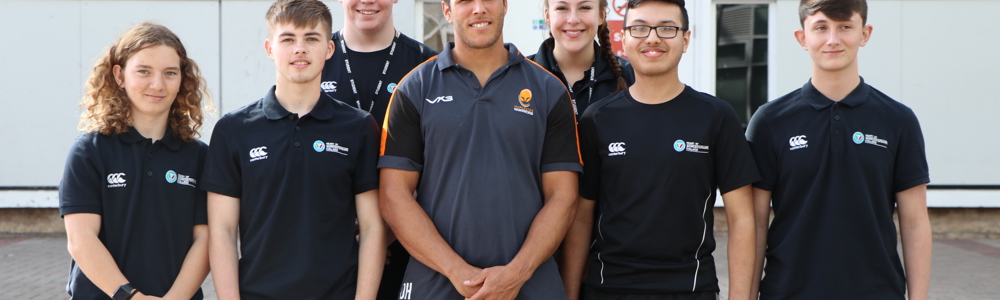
[290,173]
[654,156]
[135,220]
[370,59]
[589,69]
[368,45]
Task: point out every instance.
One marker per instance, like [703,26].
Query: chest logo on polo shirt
[798,142]
[116,180]
[871,139]
[320,146]
[391,87]
[440,99]
[329,86]
[258,153]
[174,177]
[693,147]
[616,149]
[524,99]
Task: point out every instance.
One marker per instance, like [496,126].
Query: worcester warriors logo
[319,146]
[679,145]
[524,99]
[171,176]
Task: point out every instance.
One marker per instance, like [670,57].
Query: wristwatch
[124,292]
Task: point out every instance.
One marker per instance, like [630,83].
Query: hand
[500,282]
[459,278]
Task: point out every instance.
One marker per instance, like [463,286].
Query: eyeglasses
[664,32]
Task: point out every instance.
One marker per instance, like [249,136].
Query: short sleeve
[759,138]
[402,139]
[734,163]
[366,170]
[910,167]
[201,198]
[591,178]
[561,148]
[81,186]
[222,167]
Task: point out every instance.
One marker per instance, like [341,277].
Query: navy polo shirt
[146,194]
[834,169]
[481,152]
[296,178]
[598,82]
[653,170]
[367,69]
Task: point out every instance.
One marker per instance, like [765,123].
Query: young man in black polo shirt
[371,58]
[654,156]
[488,140]
[291,172]
[837,157]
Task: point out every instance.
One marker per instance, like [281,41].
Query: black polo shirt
[481,152]
[296,179]
[653,170]
[147,196]
[598,83]
[834,169]
[367,69]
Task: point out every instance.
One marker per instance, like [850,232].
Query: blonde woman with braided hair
[135,219]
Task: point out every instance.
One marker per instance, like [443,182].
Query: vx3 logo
[258,153]
[440,99]
[798,142]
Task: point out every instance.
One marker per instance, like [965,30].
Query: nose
[158,82]
[833,38]
[573,17]
[478,7]
[300,48]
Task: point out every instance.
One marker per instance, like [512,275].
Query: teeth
[368,12]
[574,31]
[480,25]
[300,63]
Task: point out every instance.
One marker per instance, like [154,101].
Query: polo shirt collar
[818,101]
[169,141]
[274,111]
[445,60]
[547,60]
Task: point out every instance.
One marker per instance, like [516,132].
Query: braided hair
[604,40]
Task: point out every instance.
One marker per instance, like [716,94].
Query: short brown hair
[301,13]
[106,106]
[838,10]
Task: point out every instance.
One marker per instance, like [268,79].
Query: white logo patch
[798,142]
[440,99]
[336,148]
[405,291]
[695,147]
[258,153]
[116,180]
[616,149]
[329,86]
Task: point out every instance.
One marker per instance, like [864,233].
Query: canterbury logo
[615,149]
[439,99]
[116,180]
[798,142]
[329,86]
[258,153]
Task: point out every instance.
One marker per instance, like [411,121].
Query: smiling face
[151,79]
[298,52]
[478,24]
[832,44]
[653,55]
[573,23]
[367,15]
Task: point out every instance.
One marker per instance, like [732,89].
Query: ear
[800,36]
[267,49]
[446,9]
[545,16]
[331,46]
[119,77]
[687,39]
[867,33]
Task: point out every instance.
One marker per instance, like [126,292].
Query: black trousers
[590,293]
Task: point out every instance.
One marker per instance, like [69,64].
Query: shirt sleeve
[591,178]
[201,200]
[561,148]
[759,138]
[734,163]
[366,171]
[402,139]
[82,182]
[910,168]
[223,173]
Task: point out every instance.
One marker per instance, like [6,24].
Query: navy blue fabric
[605,81]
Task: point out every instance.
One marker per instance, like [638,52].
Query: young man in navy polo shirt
[837,158]
[291,172]
[654,156]
[488,141]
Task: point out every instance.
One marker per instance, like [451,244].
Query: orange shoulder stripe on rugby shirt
[385,123]
[576,130]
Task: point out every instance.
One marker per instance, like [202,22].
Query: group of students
[489,184]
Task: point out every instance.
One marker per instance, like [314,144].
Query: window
[437,31]
[741,57]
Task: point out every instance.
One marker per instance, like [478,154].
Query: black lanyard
[385,69]
[590,94]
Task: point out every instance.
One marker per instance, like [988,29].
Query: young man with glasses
[654,156]
[837,158]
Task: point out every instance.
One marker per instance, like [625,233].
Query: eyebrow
[646,22]
[151,67]
[311,33]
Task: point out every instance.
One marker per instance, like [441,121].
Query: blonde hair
[300,13]
[106,106]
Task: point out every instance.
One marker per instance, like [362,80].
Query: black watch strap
[124,292]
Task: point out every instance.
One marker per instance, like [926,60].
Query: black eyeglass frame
[677,30]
